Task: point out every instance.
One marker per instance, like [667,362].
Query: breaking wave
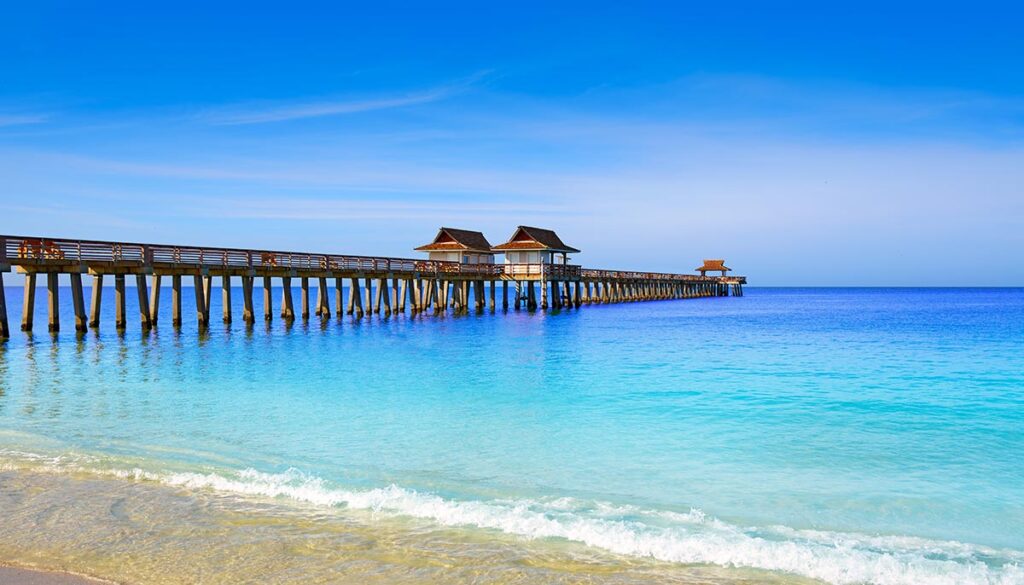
[692,537]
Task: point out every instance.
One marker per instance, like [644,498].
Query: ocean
[838,435]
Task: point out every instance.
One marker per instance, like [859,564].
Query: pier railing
[55,252]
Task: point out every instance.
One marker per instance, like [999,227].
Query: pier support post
[531,296]
[504,295]
[494,285]
[435,295]
[200,290]
[358,297]
[369,296]
[248,315]
[53,302]
[225,297]
[401,295]
[304,298]
[339,298]
[207,295]
[287,309]
[176,300]
[120,318]
[318,307]
[154,301]
[385,295]
[414,295]
[5,328]
[140,288]
[394,294]
[543,295]
[268,299]
[28,307]
[323,303]
[97,300]
[381,287]
[78,301]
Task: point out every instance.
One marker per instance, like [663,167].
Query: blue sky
[876,145]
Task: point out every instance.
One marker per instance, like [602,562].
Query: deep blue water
[847,434]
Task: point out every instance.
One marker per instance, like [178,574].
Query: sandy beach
[19,576]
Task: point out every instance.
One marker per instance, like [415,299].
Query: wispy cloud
[267,112]
[22,119]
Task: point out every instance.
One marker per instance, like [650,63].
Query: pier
[376,285]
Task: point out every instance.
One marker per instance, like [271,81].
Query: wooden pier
[376,285]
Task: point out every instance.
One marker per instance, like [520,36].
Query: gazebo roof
[532,238]
[713,266]
[453,239]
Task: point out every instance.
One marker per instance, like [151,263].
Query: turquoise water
[850,435]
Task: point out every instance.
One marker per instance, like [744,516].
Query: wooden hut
[455,245]
[713,266]
[531,245]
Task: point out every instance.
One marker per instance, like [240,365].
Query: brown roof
[532,238]
[456,239]
[713,266]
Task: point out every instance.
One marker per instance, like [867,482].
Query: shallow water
[848,435]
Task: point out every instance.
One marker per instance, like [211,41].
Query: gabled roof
[713,266]
[452,239]
[532,238]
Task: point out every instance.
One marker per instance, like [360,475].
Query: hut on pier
[713,266]
[531,245]
[456,245]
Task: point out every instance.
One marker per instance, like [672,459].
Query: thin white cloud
[255,114]
[267,112]
[22,119]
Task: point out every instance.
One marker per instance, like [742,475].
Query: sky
[877,144]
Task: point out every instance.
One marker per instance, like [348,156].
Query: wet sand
[17,576]
[142,533]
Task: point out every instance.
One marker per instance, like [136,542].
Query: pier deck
[388,285]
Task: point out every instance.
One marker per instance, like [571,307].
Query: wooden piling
[143,294]
[504,295]
[402,296]
[207,295]
[323,304]
[394,294]
[28,307]
[268,299]
[225,298]
[97,300]
[385,295]
[5,328]
[202,317]
[382,287]
[53,302]
[339,298]
[248,314]
[318,307]
[369,296]
[357,298]
[304,298]
[78,301]
[287,309]
[120,316]
[176,300]
[154,301]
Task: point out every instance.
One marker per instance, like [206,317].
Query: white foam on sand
[692,537]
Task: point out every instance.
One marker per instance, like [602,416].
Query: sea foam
[691,537]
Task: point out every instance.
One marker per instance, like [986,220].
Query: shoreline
[140,532]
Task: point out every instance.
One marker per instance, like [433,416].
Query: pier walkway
[376,285]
